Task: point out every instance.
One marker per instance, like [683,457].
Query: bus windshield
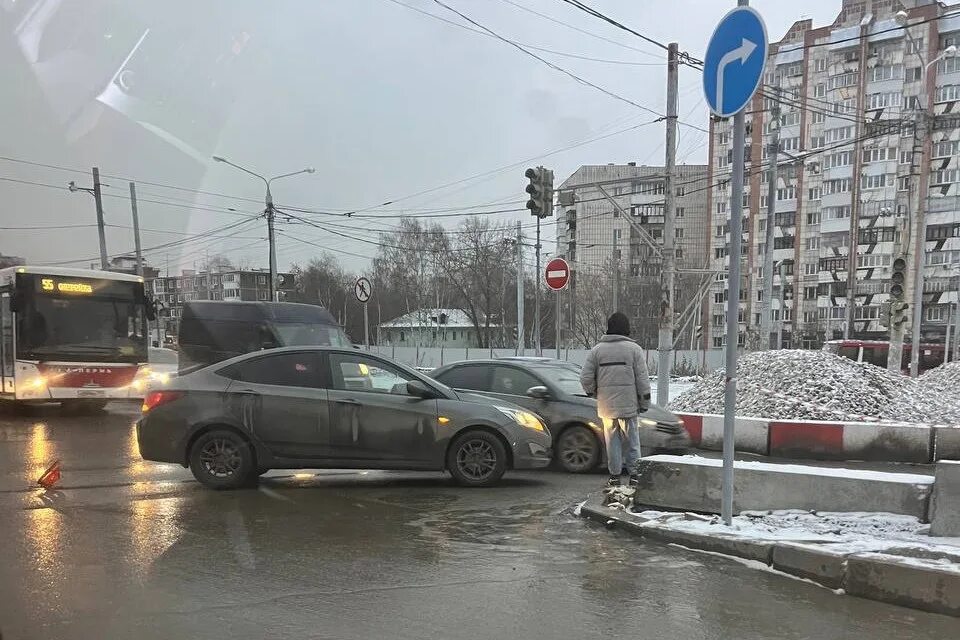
[83,329]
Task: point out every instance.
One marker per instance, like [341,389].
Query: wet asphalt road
[129,549]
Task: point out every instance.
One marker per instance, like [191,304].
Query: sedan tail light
[155,399]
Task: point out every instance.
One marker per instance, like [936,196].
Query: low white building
[431,328]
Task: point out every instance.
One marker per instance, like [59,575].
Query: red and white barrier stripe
[834,440]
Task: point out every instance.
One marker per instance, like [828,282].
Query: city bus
[73,336]
[875,352]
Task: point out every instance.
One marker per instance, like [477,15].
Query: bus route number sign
[49,284]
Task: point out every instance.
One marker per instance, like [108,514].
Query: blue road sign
[733,66]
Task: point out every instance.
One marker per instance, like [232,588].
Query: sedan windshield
[564,378]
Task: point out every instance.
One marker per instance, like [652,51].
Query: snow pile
[816,385]
[943,379]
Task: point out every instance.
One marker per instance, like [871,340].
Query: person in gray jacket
[615,373]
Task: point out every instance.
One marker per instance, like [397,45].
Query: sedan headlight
[647,422]
[523,418]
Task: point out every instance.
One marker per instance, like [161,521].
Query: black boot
[614,481]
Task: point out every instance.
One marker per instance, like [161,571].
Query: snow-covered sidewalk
[841,532]
[881,556]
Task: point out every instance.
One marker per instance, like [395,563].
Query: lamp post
[269,213]
[921,117]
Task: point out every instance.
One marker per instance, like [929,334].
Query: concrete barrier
[823,566]
[945,503]
[946,443]
[689,483]
[903,581]
[827,440]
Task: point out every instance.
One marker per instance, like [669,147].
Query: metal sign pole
[733,70]
[558,323]
[366,327]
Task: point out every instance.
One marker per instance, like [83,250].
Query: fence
[683,362]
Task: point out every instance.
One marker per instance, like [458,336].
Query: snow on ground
[816,385]
[841,532]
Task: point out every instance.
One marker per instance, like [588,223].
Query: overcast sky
[383,101]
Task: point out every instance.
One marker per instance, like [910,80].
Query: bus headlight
[38,383]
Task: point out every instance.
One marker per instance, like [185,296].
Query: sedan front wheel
[477,459]
[578,450]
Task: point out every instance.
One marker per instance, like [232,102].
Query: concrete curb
[886,578]
[832,440]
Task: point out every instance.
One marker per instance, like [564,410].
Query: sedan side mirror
[539,392]
[417,389]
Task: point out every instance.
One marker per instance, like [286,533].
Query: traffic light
[899,313]
[541,191]
[898,279]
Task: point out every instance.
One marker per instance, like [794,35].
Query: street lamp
[270,215]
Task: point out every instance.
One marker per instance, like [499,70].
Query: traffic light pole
[536,296]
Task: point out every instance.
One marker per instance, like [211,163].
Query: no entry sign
[557,274]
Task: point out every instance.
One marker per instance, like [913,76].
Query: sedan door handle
[348,401]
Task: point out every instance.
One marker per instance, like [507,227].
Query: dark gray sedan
[316,407]
[551,389]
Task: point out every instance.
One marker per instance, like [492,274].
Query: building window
[403,337]
[813,242]
[885,72]
[936,314]
[875,182]
[881,154]
[652,188]
[837,213]
[809,293]
[678,233]
[948,65]
[842,159]
[679,212]
[819,90]
[261,279]
[842,80]
[681,191]
[947,93]
[945,176]
[903,183]
[817,142]
[263,295]
[722,207]
[836,186]
[813,217]
[814,193]
[818,117]
[820,64]
[884,100]
[810,269]
[787,193]
[838,134]
[790,144]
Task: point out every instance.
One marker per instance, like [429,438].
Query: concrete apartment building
[850,93]
[170,292]
[622,204]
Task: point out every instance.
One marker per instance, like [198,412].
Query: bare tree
[480,264]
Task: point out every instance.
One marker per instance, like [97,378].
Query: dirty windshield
[325,203]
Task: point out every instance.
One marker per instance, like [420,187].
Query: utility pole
[271,238]
[669,255]
[616,272]
[269,213]
[783,308]
[136,228]
[98,198]
[520,323]
[773,150]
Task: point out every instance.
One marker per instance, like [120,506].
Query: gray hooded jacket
[616,374]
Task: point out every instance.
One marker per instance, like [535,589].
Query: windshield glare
[564,378]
